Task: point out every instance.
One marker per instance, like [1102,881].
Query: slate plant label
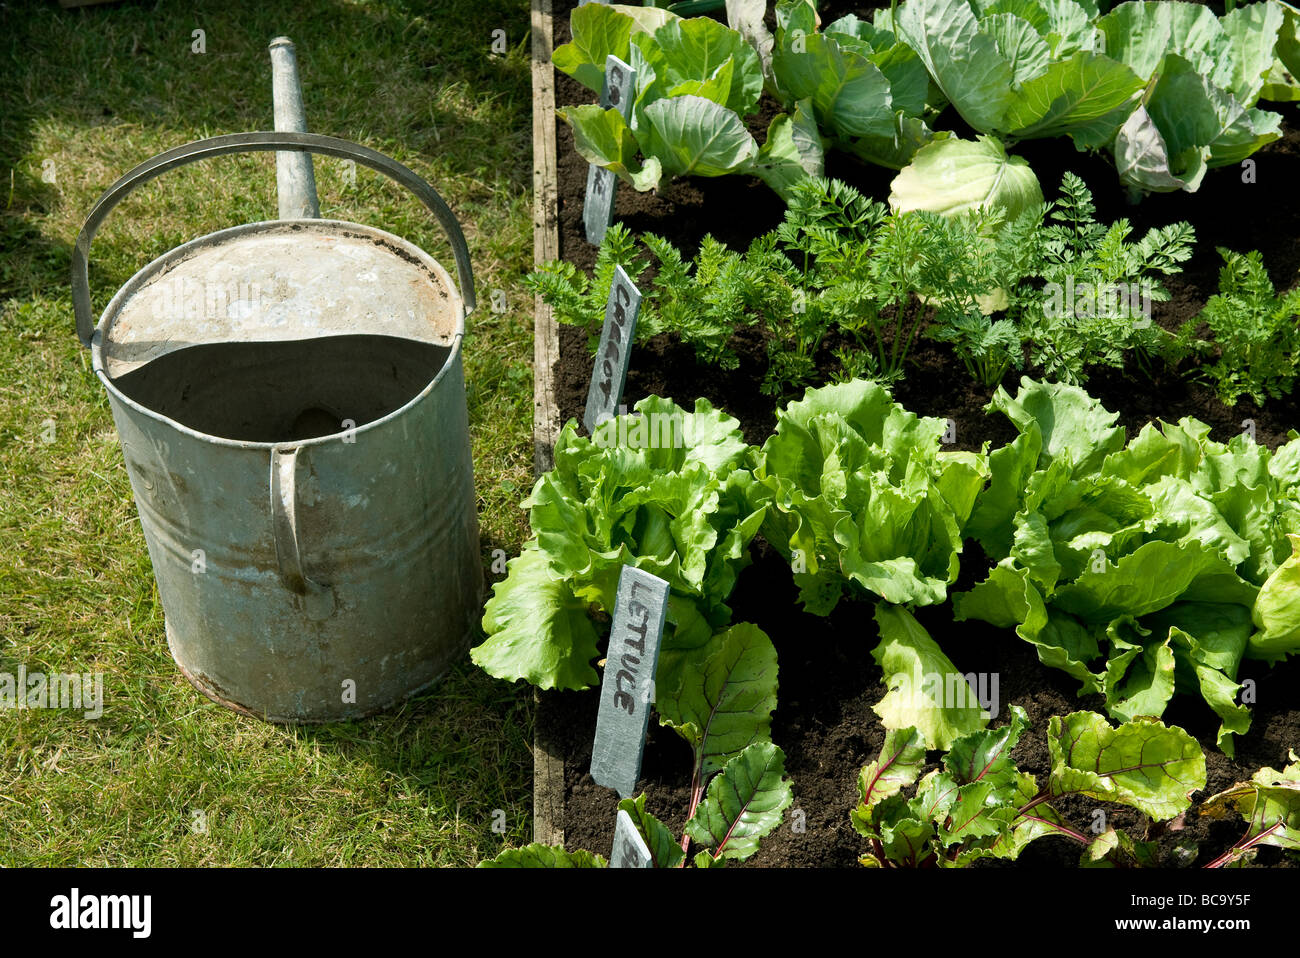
[630,849]
[614,353]
[598,207]
[627,689]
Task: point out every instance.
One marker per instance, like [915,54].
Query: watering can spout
[294,178]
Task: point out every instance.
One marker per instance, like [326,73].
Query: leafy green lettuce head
[1136,567]
[858,492]
[664,490]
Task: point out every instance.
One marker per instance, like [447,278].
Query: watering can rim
[262,141]
[335,230]
[130,286]
[256,142]
[151,269]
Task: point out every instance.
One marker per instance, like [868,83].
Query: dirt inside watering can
[288,390]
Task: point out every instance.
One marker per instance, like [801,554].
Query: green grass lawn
[165,777]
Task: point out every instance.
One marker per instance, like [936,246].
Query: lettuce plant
[664,490]
[1276,616]
[1142,569]
[978,804]
[859,496]
[538,855]
[925,690]
[696,81]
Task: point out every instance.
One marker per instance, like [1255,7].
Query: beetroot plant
[978,804]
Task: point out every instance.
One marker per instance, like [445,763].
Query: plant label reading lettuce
[614,354]
[617,92]
[630,849]
[627,690]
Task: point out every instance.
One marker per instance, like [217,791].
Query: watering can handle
[318,599]
[251,143]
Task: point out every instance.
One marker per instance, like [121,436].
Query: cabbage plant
[696,82]
[1202,77]
[1020,68]
[863,86]
[1167,87]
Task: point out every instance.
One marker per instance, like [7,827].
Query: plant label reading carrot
[615,351]
[630,849]
[627,690]
[616,93]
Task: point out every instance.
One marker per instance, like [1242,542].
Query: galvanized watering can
[291,407]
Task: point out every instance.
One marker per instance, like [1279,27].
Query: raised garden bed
[828,680]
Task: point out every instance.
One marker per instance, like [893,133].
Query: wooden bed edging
[548,763]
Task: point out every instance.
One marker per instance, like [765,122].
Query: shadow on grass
[464,744]
[415,76]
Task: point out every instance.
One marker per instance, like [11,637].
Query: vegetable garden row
[963,434]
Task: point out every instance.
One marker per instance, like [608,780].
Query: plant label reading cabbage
[630,849]
[614,354]
[617,92]
[627,690]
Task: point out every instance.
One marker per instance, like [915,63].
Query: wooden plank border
[548,762]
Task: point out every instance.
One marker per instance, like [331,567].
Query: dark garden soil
[828,680]
[824,724]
